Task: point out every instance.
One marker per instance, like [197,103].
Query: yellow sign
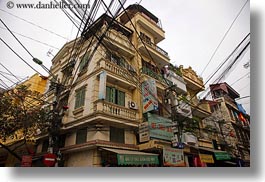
[206,158]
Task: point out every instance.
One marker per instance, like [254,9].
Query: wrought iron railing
[156,76]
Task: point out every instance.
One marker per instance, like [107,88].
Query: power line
[34,24]
[32,39]
[17,39]
[240,79]
[34,59]
[19,56]
[9,72]
[7,78]
[223,38]
[245,97]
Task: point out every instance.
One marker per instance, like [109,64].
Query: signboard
[124,159]
[173,157]
[26,161]
[149,95]
[144,132]
[206,158]
[49,159]
[222,156]
[160,128]
[102,85]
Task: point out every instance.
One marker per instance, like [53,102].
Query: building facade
[234,122]
[35,83]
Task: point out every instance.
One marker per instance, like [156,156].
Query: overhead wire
[43,66]
[9,71]
[240,79]
[20,56]
[35,40]
[223,38]
[58,35]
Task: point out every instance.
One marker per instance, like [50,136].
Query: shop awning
[219,154]
[128,157]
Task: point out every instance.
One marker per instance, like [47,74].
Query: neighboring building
[202,145]
[235,122]
[35,83]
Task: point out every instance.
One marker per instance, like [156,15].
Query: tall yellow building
[35,83]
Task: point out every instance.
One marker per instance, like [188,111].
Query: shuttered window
[84,62]
[80,97]
[117,135]
[115,96]
[81,136]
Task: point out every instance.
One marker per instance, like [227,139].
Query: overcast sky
[193,29]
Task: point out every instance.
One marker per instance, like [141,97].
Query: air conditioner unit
[133,105]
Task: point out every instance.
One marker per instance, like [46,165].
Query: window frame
[113,95]
[117,135]
[83,136]
[80,97]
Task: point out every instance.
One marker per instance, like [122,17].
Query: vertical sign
[173,157]
[149,95]
[144,135]
[102,85]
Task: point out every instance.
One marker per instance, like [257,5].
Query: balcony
[118,75]
[163,81]
[160,56]
[230,101]
[116,111]
[120,42]
[193,81]
[151,26]
[200,110]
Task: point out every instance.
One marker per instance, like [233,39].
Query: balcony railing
[118,70]
[114,110]
[157,48]
[156,76]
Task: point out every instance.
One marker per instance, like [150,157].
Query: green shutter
[80,98]
[121,98]
[112,95]
[84,62]
[108,91]
[77,96]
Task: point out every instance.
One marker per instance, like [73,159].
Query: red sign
[26,161]
[49,160]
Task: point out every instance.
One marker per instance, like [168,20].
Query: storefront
[128,158]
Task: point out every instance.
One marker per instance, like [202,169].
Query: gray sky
[194,28]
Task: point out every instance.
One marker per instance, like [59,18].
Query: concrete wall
[80,159]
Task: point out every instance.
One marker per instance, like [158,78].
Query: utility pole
[172,97]
[55,115]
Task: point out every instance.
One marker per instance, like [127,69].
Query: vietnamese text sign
[173,157]
[144,132]
[222,156]
[124,159]
[149,95]
[160,127]
[206,158]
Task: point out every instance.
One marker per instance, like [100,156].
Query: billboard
[160,127]
[149,91]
